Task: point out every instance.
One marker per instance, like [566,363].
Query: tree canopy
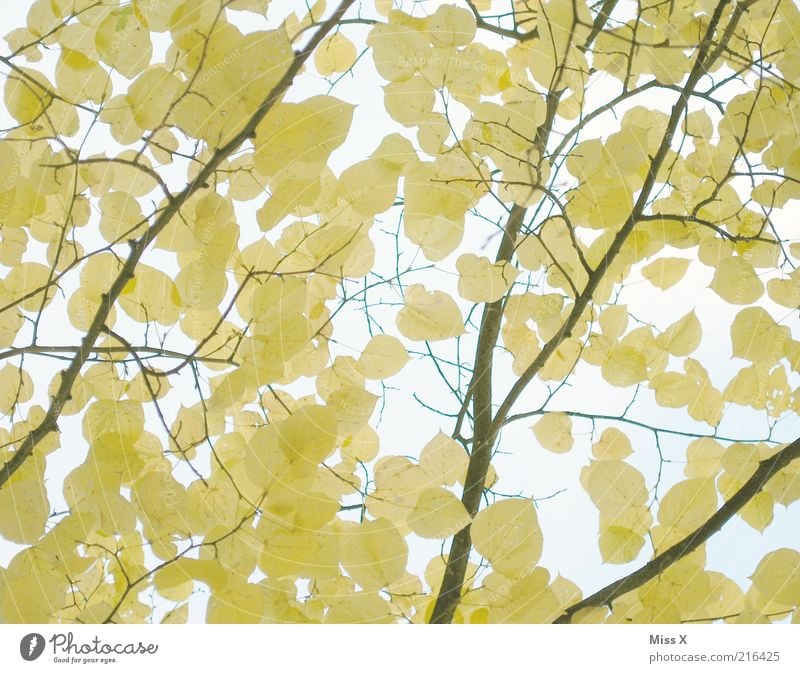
[359,312]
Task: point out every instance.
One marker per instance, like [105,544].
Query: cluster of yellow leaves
[619,492]
[253,480]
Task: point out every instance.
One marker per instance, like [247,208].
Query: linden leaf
[24,507]
[620,545]
[109,417]
[124,43]
[554,432]
[624,367]
[614,487]
[682,337]
[451,26]
[778,576]
[444,460]
[308,436]
[334,54]
[151,295]
[382,357]
[688,504]
[122,217]
[759,511]
[736,281]
[613,445]
[16,387]
[482,281]
[703,458]
[308,131]
[756,337]
[26,95]
[429,316]
[374,553]
[437,514]
[398,51]
[507,534]
[785,292]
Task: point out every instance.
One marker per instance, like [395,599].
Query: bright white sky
[569,520]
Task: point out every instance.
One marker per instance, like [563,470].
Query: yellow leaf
[25,95]
[374,553]
[109,417]
[620,545]
[562,361]
[784,486]
[151,296]
[16,387]
[778,576]
[429,316]
[613,445]
[614,487]
[703,458]
[24,507]
[740,460]
[444,460]
[613,321]
[334,54]
[437,514]
[179,615]
[528,600]
[688,504]
[698,124]
[507,534]
[482,281]
[124,43]
[370,186]
[382,357]
[383,7]
[122,217]
[554,432]
[362,446]
[361,607]
[785,292]
[79,78]
[451,26]
[682,337]
[308,131]
[31,282]
[398,51]
[736,281]
[399,483]
[409,102]
[755,336]
[308,436]
[759,511]
[624,367]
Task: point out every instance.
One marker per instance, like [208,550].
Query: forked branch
[752,487]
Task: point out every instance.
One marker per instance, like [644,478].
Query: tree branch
[754,485]
[50,422]
[702,63]
[485,428]
[150,351]
[481,455]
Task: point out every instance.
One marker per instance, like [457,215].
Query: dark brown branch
[754,485]
[481,388]
[50,422]
[481,455]
[701,65]
[485,428]
[499,30]
[149,351]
